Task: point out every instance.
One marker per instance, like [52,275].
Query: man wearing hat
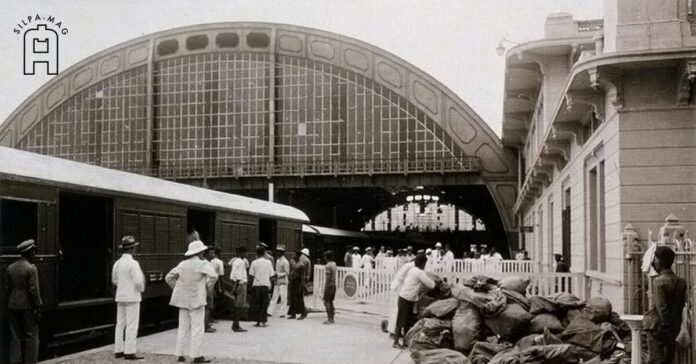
[304,259]
[409,254]
[280,290]
[356,259]
[24,305]
[669,295]
[190,281]
[268,252]
[129,280]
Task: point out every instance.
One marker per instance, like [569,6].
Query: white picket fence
[465,266]
[372,286]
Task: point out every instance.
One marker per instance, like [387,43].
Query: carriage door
[85,233]
[203,222]
[267,232]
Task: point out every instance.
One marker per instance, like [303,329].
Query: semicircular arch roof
[458,120]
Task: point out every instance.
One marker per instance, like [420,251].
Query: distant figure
[401,257]
[415,282]
[382,252]
[193,235]
[348,259]
[210,293]
[356,259]
[394,298]
[304,259]
[493,255]
[367,259]
[519,255]
[280,290]
[330,286]
[219,267]
[24,304]
[663,320]
[129,280]
[429,265]
[260,273]
[268,254]
[238,276]
[561,266]
[190,281]
[296,287]
[409,253]
[526,255]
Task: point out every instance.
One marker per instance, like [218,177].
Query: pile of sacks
[483,321]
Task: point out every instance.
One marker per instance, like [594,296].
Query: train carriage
[78,213]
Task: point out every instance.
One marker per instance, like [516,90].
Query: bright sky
[452,40]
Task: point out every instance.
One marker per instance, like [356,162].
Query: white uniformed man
[130,283]
[190,280]
[280,290]
[356,259]
[367,258]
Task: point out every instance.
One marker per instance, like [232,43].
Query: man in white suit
[130,283]
[190,281]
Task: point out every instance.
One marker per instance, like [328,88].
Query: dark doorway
[18,222]
[86,244]
[203,222]
[566,226]
[267,230]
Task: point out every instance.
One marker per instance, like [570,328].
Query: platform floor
[355,338]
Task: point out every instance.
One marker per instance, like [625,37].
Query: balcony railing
[312,168]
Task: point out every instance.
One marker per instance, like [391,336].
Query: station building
[602,114]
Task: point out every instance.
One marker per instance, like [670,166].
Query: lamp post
[500,49]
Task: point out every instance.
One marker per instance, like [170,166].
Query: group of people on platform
[439,258]
[194,280]
[276,286]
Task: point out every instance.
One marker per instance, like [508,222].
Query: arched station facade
[342,129]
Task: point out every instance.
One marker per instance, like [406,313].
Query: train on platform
[77,213]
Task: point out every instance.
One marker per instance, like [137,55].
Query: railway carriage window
[18,222]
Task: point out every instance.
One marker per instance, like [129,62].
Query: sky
[452,40]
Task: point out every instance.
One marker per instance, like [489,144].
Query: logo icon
[40,46]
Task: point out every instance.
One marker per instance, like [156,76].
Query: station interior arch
[341,128]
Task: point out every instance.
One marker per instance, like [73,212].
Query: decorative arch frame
[469,132]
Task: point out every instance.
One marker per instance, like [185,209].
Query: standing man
[348,259]
[295,287]
[394,299]
[268,254]
[24,305]
[561,266]
[238,276]
[219,268]
[281,287]
[416,281]
[494,255]
[519,255]
[409,254]
[129,280]
[304,259]
[356,259]
[260,273]
[210,293]
[663,321]
[367,259]
[330,286]
[190,281]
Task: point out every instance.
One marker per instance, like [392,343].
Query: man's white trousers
[127,321]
